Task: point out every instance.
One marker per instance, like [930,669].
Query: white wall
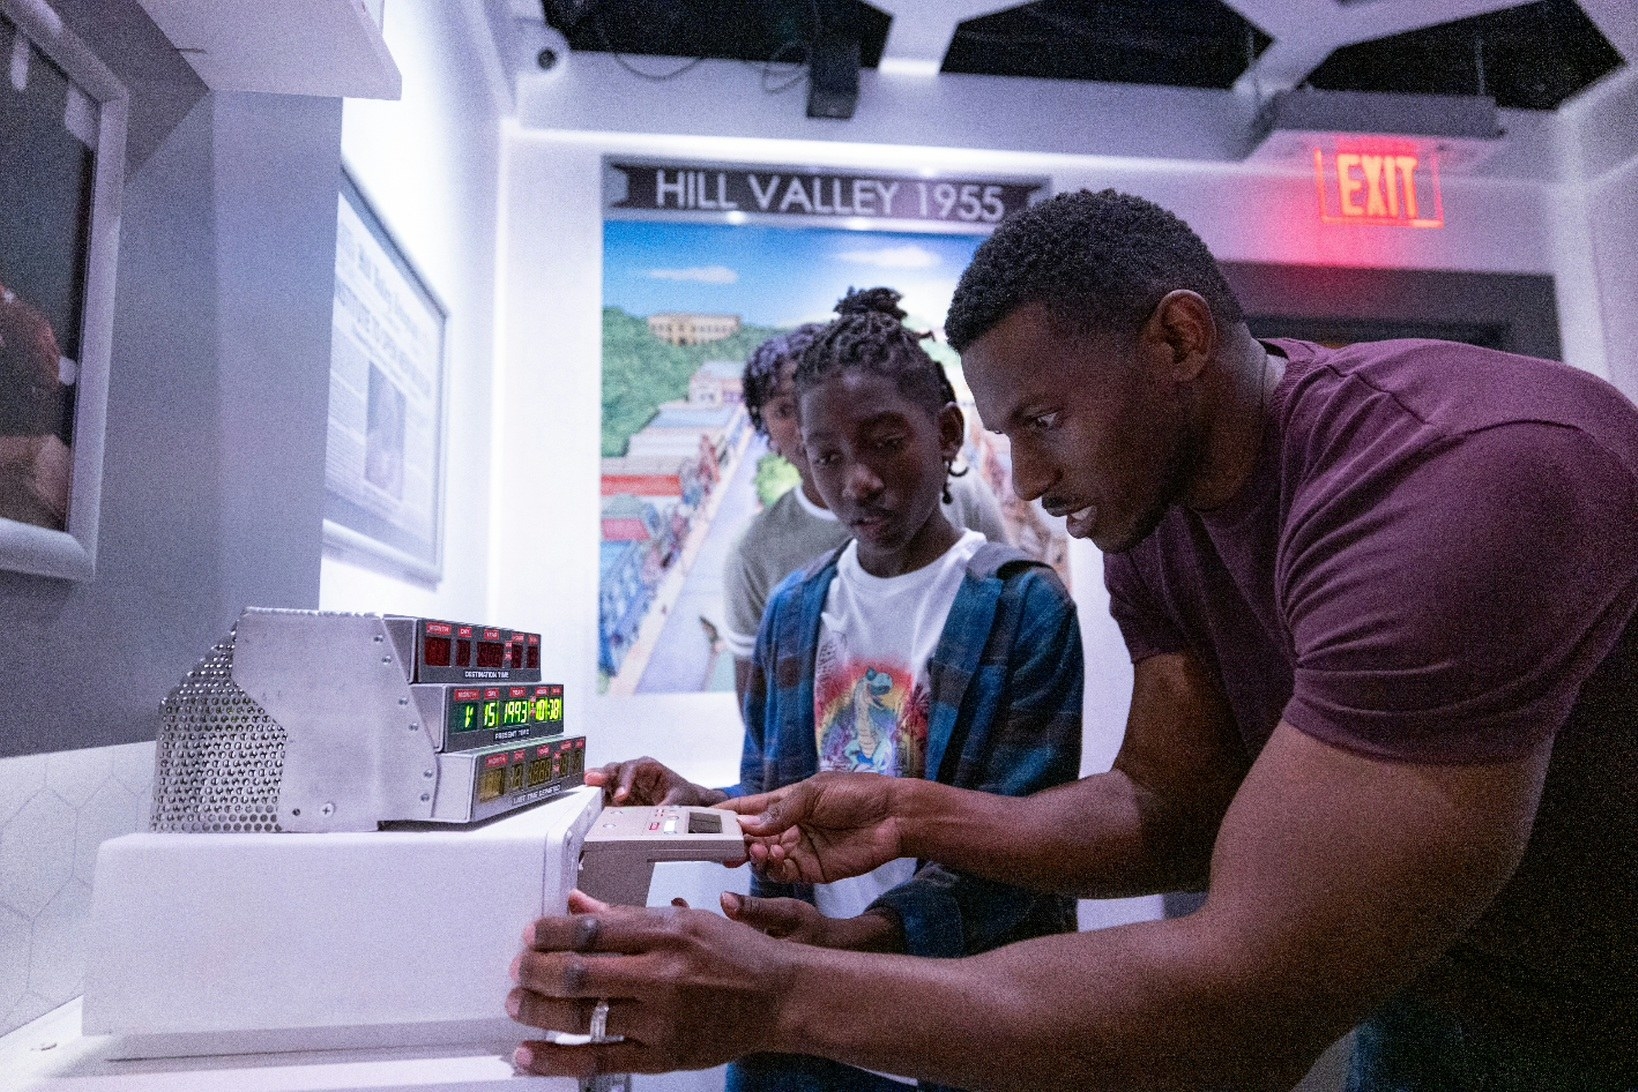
[429,164]
[1598,280]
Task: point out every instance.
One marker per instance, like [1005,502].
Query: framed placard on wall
[383,470]
[62,141]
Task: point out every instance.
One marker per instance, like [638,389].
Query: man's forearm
[1100,837]
[1118,1009]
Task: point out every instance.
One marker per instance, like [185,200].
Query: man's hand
[644,781]
[801,922]
[685,988]
[827,828]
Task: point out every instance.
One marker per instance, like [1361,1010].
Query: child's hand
[644,781]
[795,920]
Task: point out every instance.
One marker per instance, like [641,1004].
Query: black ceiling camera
[546,58]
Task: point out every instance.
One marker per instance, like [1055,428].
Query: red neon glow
[1391,184]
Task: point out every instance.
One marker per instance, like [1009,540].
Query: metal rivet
[426,773]
[328,809]
[425,797]
[378,638]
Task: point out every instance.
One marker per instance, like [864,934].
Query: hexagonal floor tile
[57,970]
[76,775]
[36,853]
[31,1007]
[14,953]
[133,766]
[20,779]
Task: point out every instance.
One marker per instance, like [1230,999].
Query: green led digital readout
[471,716]
[464,716]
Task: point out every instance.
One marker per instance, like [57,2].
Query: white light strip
[915,67]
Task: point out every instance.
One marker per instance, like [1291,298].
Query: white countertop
[50,1055]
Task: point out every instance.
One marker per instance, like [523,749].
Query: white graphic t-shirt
[870,694]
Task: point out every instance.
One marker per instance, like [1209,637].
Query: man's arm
[1335,879]
[1147,825]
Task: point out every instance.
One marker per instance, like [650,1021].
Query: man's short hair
[762,368]
[1098,263]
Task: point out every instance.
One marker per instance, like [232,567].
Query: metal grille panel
[220,755]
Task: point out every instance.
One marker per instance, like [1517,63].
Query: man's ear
[952,430]
[1180,335]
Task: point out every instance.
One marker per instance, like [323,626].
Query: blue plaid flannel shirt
[1006,682]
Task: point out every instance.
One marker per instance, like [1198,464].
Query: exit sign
[1390,184]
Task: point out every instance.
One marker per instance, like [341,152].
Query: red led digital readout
[436,651]
[491,653]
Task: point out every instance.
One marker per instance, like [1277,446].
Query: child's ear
[952,430]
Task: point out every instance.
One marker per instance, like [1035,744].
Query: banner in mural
[688,292]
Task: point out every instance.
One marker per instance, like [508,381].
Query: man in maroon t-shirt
[1380,602]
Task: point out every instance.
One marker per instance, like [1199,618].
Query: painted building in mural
[654,497]
[678,328]
[717,383]
[622,601]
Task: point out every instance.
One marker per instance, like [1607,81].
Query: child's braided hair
[869,334]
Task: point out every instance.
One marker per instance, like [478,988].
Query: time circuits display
[319,721]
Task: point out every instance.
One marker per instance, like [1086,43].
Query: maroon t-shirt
[1436,560]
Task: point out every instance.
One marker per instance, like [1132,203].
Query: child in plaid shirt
[914,650]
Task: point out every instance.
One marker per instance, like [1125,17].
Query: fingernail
[516,969]
[529,935]
[514,1004]
[523,1057]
